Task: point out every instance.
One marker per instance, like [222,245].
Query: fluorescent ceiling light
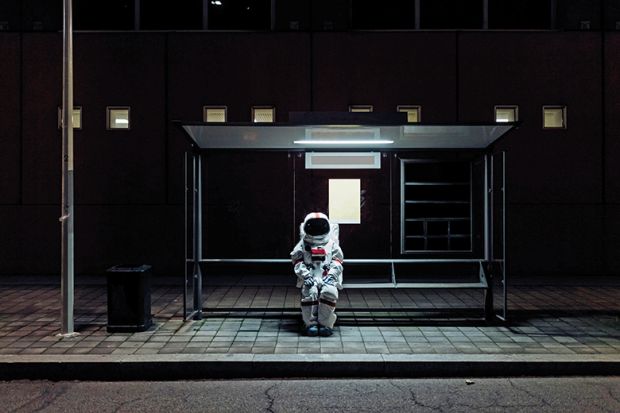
[344,142]
[121,121]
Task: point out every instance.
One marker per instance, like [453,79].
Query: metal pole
[487,252]
[492,209]
[185,299]
[505,281]
[66,219]
[197,273]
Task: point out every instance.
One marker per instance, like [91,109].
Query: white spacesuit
[317,260]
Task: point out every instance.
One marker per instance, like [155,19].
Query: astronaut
[317,260]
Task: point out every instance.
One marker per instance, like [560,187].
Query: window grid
[214,114]
[263,114]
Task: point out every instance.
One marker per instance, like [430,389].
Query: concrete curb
[186,366]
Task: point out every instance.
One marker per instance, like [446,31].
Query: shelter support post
[504,304]
[66,219]
[488,237]
[197,235]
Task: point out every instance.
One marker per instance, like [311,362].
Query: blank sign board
[344,201]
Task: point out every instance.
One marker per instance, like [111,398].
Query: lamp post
[66,219]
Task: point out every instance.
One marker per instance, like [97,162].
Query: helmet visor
[316,227]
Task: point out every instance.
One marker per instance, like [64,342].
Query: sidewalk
[553,329]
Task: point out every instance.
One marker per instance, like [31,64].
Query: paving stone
[552,325]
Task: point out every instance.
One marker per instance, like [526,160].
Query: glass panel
[519,14]
[103,15]
[239,14]
[451,14]
[391,14]
[554,117]
[211,136]
[167,15]
[263,115]
[118,118]
[344,201]
[212,114]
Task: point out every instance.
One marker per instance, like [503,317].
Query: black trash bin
[129,298]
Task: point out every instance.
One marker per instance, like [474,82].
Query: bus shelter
[448,206]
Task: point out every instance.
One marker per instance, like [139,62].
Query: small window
[76,118]
[360,108]
[263,114]
[214,114]
[506,114]
[118,117]
[414,113]
[554,117]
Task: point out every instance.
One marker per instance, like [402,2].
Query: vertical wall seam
[20,196]
[167,125]
[603,108]
[311,71]
[604,218]
[457,74]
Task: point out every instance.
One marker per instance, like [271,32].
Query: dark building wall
[10,83]
[386,70]
[612,149]
[129,184]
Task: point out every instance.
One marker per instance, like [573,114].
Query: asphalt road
[575,394]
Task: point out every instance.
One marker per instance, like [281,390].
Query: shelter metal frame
[492,266]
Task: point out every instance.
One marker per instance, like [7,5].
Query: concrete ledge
[186,366]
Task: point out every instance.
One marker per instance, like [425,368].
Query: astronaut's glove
[329,280]
[309,281]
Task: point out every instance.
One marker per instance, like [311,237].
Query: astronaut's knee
[330,293]
[309,293]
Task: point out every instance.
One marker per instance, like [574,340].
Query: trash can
[129,298]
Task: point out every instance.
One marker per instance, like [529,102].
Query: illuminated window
[360,108]
[118,117]
[76,117]
[414,113]
[344,201]
[554,117]
[214,114]
[506,113]
[263,114]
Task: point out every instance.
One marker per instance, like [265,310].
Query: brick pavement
[545,320]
